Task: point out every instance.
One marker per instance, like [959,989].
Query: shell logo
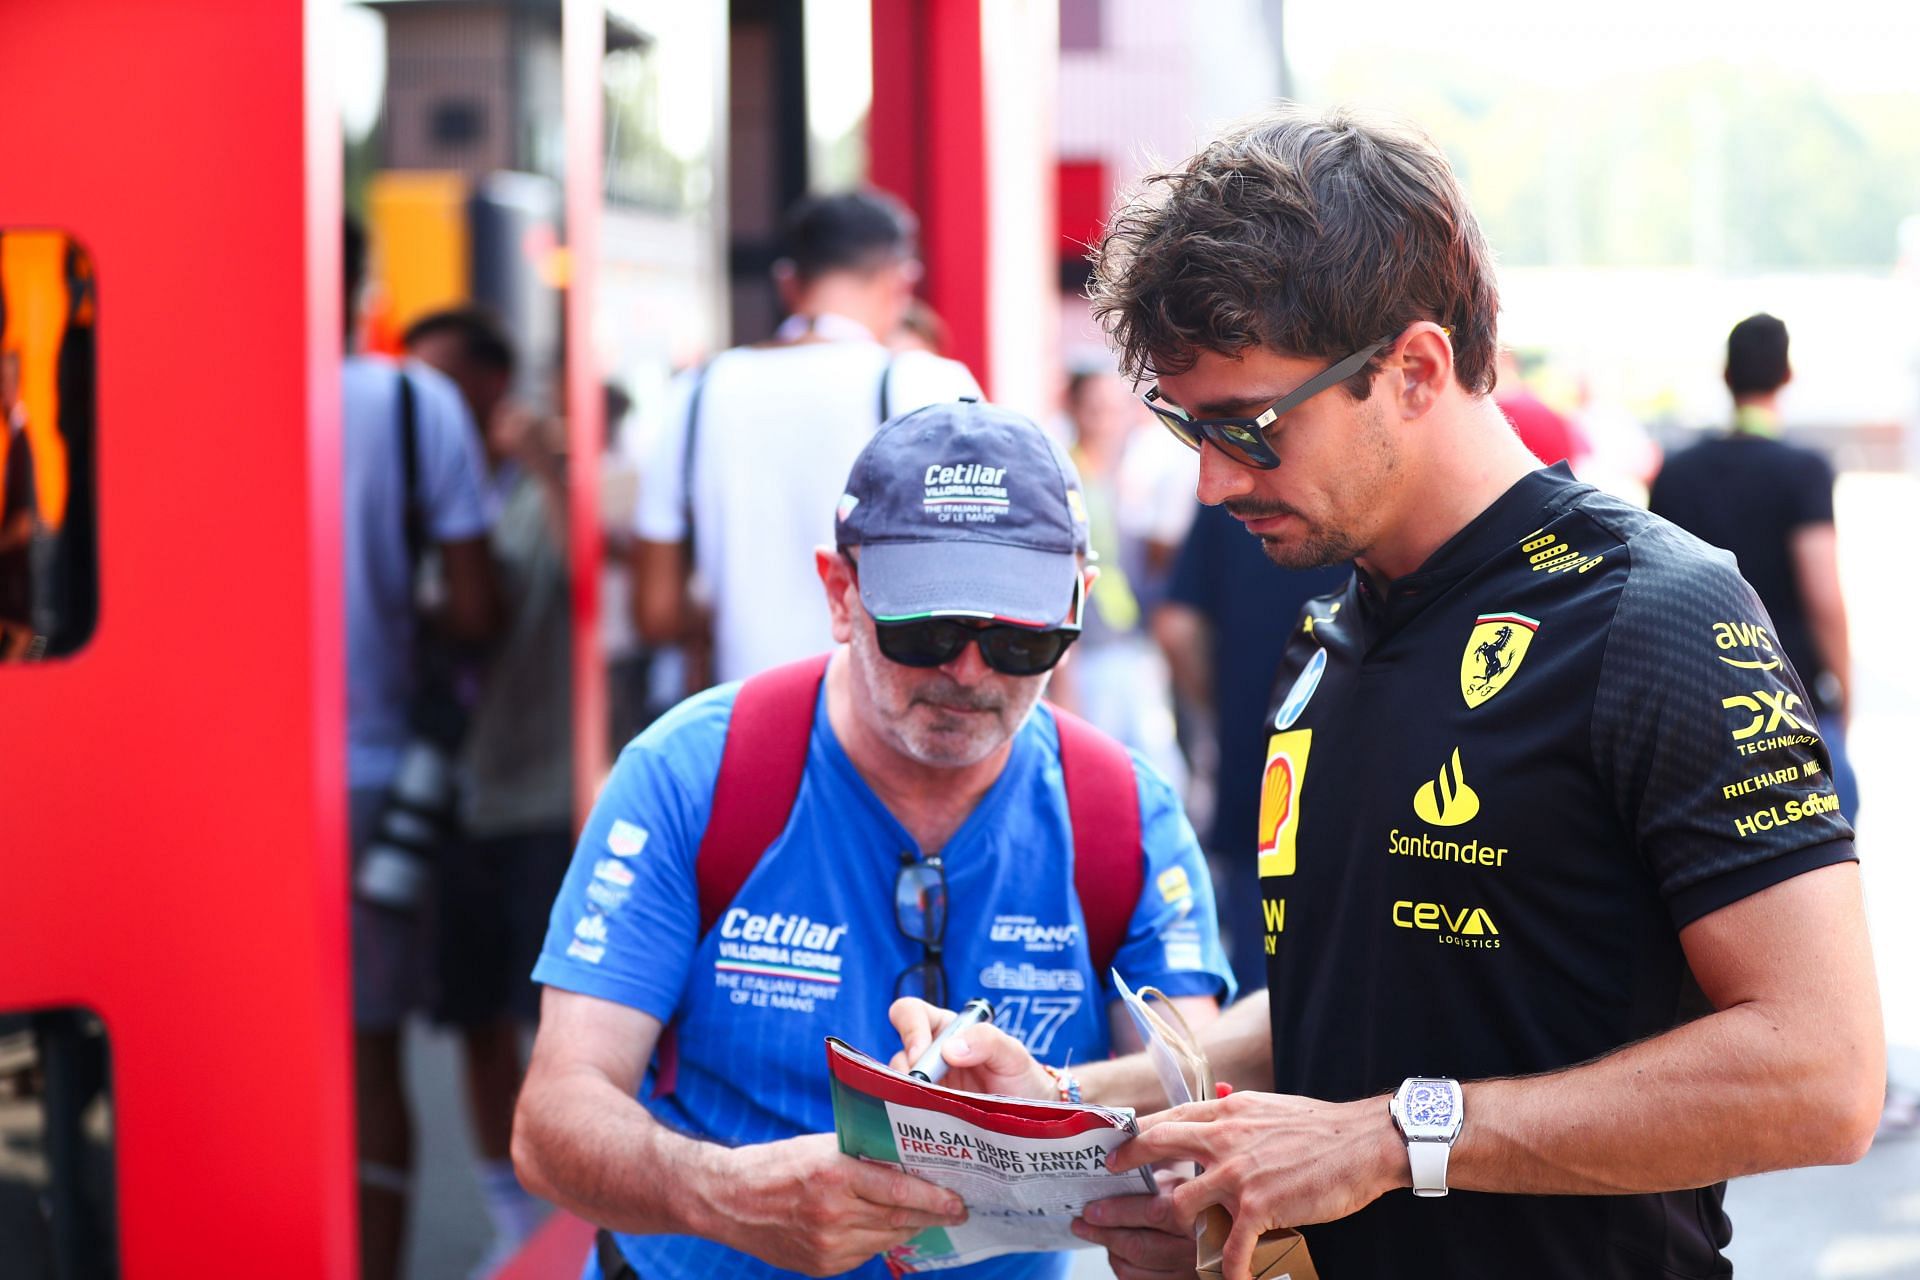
[1280,785]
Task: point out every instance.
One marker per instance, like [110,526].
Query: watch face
[1429,1104]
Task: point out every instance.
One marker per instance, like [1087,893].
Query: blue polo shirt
[810,947]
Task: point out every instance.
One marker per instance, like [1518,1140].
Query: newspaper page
[1026,1169]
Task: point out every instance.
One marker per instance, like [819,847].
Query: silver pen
[930,1066]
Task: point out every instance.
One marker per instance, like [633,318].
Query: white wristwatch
[1428,1112]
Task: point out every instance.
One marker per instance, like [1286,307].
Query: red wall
[1084,195]
[172,798]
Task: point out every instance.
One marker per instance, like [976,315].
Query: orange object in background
[33,276]
[417,221]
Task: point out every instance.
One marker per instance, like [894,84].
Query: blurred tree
[1739,168]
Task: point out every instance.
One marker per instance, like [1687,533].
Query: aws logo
[1745,635]
[1772,710]
[1455,926]
[1447,801]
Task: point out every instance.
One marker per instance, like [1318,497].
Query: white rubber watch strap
[1429,1160]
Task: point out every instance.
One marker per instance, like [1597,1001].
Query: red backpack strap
[761,762]
[760,768]
[1103,807]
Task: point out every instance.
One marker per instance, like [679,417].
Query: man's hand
[982,1059]
[803,1205]
[1142,1235]
[1273,1160]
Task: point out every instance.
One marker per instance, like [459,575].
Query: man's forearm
[1730,1094]
[1829,627]
[1238,1045]
[1182,634]
[799,1203]
[1816,571]
[581,1143]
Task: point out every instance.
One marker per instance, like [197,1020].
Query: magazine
[1025,1169]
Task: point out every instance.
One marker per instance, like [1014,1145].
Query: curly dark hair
[1315,236]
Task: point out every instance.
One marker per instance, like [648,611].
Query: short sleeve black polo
[1492,799]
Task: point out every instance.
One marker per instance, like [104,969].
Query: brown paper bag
[1279,1255]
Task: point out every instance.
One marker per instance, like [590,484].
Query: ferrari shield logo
[1494,652]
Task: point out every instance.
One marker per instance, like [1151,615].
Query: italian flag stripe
[1531,624]
[778,971]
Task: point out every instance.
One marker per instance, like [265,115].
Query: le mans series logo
[1494,652]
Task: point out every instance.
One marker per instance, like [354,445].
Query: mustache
[1255,509]
[951,693]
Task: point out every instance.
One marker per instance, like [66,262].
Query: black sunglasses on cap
[1245,439]
[1010,650]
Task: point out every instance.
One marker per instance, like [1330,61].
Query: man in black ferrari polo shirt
[1563,923]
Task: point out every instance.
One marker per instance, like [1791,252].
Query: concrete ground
[1855,1223]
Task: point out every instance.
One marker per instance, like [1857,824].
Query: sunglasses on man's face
[1245,439]
[1010,650]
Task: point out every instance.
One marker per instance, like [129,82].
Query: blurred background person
[516,808]
[1223,627]
[1549,435]
[629,662]
[1771,504]
[755,443]
[1138,486]
[413,487]
[1622,455]
[921,329]
[19,515]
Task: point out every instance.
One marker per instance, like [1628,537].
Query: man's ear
[1424,369]
[836,577]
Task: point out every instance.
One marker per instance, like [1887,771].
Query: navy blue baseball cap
[964,509]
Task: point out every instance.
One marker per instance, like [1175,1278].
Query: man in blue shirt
[957,585]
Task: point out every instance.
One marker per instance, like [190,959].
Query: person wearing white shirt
[749,450]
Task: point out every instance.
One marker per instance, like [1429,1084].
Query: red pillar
[172,803]
[962,129]
[583,34]
[927,140]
